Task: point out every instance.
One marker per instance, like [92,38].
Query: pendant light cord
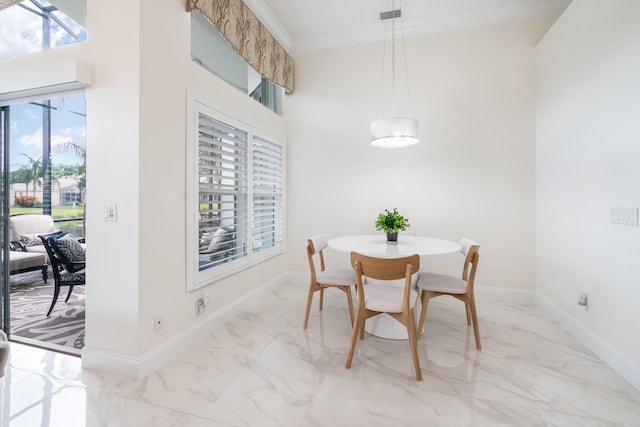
[393,61]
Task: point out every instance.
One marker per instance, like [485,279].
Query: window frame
[197,278]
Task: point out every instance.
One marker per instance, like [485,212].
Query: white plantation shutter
[223,192]
[236,197]
[268,193]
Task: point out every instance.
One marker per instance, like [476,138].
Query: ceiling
[312,24]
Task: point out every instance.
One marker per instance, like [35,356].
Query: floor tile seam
[151,402]
[586,364]
[583,415]
[62,382]
[492,402]
[267,362]
[200,417]
[538,403]
[409,383]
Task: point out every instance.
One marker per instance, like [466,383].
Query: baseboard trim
[173,348]
[618,361]
[142,366]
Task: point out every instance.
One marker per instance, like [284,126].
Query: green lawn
[58,212]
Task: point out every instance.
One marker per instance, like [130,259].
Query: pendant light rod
[392,14]
[394,132]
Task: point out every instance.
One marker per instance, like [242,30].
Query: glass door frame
[5,272]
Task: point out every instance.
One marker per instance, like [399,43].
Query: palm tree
[35,170]
[22,176]
[71,147]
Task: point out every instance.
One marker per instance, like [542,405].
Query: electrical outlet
[583,299]
[157,323]
[201,306]
[624,215]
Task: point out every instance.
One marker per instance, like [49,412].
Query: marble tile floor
[260,368]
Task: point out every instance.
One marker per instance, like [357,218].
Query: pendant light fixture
[394,132]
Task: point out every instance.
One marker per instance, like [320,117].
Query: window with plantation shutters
[223,192]
[236,197]
[268,185]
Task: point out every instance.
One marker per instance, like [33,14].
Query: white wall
[472,175]
[151,192]
[588,151]
[136,158]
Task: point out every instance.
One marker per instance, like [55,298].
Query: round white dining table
[383,325]
[377,245]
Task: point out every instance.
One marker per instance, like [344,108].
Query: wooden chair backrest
[471,251]
[315,245]
[385,268]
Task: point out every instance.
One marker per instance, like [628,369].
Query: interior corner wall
[587,161]
[471,175]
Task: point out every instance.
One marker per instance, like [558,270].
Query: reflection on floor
[261,369]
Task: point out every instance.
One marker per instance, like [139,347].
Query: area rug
[30,300]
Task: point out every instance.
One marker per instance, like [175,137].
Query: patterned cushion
[69,250]
[30,240]
[72,277]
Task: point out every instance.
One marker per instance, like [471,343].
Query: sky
[21,34]
[26,130]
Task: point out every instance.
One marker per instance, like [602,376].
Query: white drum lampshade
[394,132]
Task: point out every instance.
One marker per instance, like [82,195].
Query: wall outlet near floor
[157,323]
[583,299]
[201,305]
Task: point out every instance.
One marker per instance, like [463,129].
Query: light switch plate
[110,213]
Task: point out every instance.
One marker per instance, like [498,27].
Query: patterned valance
[246,34]
[6,3]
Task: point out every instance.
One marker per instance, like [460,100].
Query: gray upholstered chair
[432,285]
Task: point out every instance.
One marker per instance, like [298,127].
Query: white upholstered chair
[25,228]
[375,299]
[432,285]
[322,278]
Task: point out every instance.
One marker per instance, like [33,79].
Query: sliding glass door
[43,172]
[4,208]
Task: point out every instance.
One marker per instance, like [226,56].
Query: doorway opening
[46,172]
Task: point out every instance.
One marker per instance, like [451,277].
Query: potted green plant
[391,222]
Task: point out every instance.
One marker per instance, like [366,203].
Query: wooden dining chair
[375,299]
[340,278]
[432,285]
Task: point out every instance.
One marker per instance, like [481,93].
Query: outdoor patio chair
[67,257]
[24,230]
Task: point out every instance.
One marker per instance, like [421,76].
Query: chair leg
[423,312]
[347,290]
[309,301]
[467,309]
[56,292]
[321,298]
[45,273]
[69,293]
[354,338]
[474,318]
[413,342]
